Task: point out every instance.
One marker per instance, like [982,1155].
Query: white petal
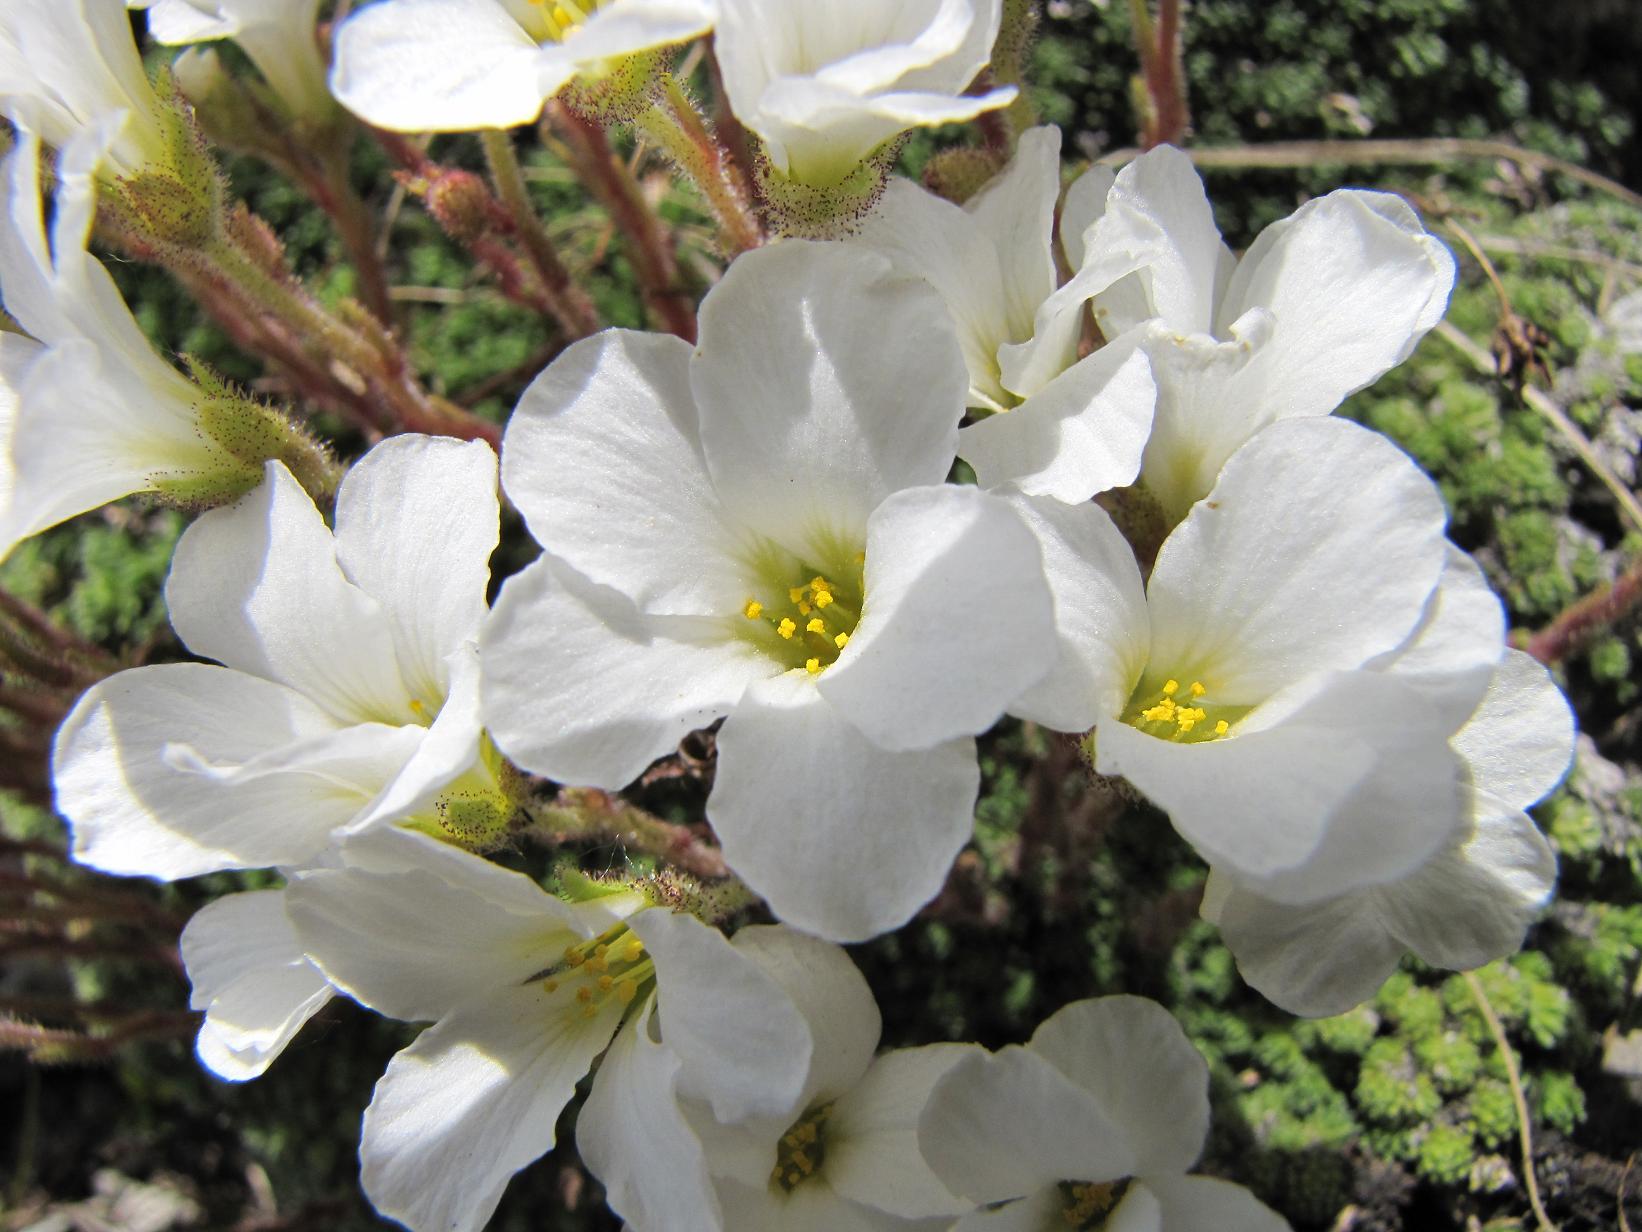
[1473,903]
[1081,434]
[447,750]
[1006,1125]
[833,999]
[1101,626]
[472,1101]
[1157,224]
[826,381]
[133,809]
[845,839]
[1352,282]
[416,522]
[1206,1204]
[632,1136]
[603,459]
[1204,410]
[1131,1055]
[745,1047]
[1084,204]
[637,25]
[257,587]
[1354,785]
[251,978]
[812,1207]
[415,944]
[938,241]
[1017,210]
[437,65]
[872,1135]
[1317,549]
[1518,744]
[582,688]
[957,620]
[1452,655]
[1317,960]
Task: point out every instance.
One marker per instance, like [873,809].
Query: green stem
[584,813]
[569,305]
[681,131]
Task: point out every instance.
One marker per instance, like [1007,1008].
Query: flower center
[802,1149]
[557,20]
[1084,1206]
[1185,715]
[806,622]
[613,964]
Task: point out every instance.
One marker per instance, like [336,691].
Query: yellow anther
[823,598]
[753,610]
[842,640]
[590,1011]
[626,991]
[1160,713]
[816,625]
[635,949]
[1171,687]
[584,994]
[804,609]
[786,628]
[1197,688]
[820,584]
[1222,727]
[606,983]
[812,666]
[574,957]
[795,594]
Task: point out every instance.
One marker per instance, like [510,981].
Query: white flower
[1286,682]
[1322,303]
[93,414]
[68,66]
[760,530]
[278,35]
[1073,428]
[842,1154]
[525,991]
[454,65]
[1094,1123]
[1466,906]
[349,691]
[824,84]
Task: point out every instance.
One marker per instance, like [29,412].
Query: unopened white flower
[1286,682]
[348,695]
[825,84]
[1320,305]
[278,36]
[525,991]
[1093,1124]
[842,1153]
[760,530]
[455,65]
[69,66]
[1468,905]
[1073,428]
[92,413]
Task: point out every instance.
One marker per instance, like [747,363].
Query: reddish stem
[1584,620]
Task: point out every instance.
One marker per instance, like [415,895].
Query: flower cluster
[1056,455]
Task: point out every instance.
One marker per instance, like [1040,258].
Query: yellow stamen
[1222,727]
[812,666]
[786,628]
[1171,687]
[842,640]
[1197,688]
[816,625]
[753,609]
[823,598]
